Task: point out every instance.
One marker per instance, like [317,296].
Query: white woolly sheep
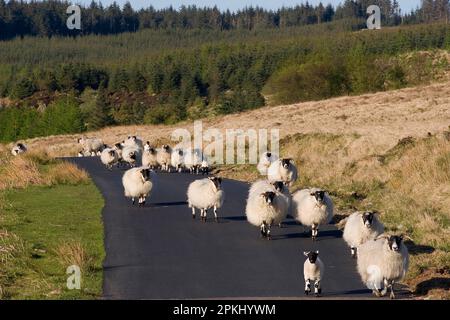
[91,145]
[164,157]
[313,270]
[361,227]
[312,207]
[193,160]
[382,262]
[204,194]
[282,170]
[149,158]
[130,155]
[109,157]
[133,141]
[265,160]
[139,183]
[177,159]
[266,206]
[18,148]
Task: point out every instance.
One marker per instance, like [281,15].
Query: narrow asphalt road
[160,252]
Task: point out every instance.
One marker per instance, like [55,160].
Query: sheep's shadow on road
[167,204]
[323,235]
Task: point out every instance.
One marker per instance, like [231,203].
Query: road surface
[160,252]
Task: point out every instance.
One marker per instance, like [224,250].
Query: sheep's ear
[305,253]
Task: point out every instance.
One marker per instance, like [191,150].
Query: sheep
[18,148]
[149,158]
[204,167]
[205,194]
[361,227]
[265,206]
[91,145]
[109,157]
[313,270]
[282,170]
[383,261]
[139,183]
[147,146]
[133,141]
[280,190]
[177,160]
[265,160]
[193,160]
[164,157]
[312,207]
[130,155]
[80,154]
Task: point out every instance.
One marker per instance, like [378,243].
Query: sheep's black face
[268,154]
[132,156]
[279,186]
[180,152]
[118,146]
[285,163]
[394,243]
[145,174]
[319,195]
[21,146]
[217,182]
[152,150]
[367,218]
[268,197]
[112,153]
[166,147]
[312,256]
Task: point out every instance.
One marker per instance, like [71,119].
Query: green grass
[43,219]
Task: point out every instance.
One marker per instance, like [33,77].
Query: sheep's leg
[385,289]
[269,237]
[314,232]
[353,251]
[307,286]
[143,200]
[317,288]
[193,213]
[133,201]
[280,225]
[392,296]
[215,214]
[203,215]
[263,231]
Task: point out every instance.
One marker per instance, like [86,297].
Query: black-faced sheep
[361,227]
[193,160]
[133,141]
[204,194]
[130,155]
[383,261]
[265,160]
[139,183]
[164,157]
[312,207]
[109,157]
[282,170]
[18,148]
[313,270]
[149,158]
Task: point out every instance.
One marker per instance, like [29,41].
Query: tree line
[48,18]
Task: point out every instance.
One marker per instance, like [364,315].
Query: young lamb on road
[361,227]
[205,194]
[91,145]
[283,170]
[139,183]
[313,270]
[383,261]
[265,160]
[149,158]
[18,148]
[312,207]
[164,157]
[109,157]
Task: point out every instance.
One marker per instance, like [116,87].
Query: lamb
[312,207]
[383,261]
[149,158]
[313,270]
[133,141]
[164,157]
[205,194]
[139,183]
[109,157]
[283,170]
[265,206]
[193,160]
[265,160]
[130,155]
[18,148]
[91,145]
[177,159]
[361,227]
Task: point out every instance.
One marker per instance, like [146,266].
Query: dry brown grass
[73,253]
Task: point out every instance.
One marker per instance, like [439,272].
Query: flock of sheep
[382,259]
